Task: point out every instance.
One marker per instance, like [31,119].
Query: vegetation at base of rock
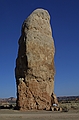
[69,105]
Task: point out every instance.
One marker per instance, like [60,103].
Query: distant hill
[68,98]
[8,100]
[12,100]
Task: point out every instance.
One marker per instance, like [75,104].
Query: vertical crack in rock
[35,70]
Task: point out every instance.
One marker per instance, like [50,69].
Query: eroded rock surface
[35,63]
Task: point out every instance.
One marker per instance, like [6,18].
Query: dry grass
[70,105]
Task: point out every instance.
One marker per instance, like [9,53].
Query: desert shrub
[65,109]
[74,107]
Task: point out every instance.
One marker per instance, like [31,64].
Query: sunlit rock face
[34,70]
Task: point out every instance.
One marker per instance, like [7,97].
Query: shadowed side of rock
[34,70]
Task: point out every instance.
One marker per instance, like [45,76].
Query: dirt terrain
[6,114]
[70,111]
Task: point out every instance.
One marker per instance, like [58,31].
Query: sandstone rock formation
[34,70]
[54,99]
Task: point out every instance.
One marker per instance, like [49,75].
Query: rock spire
[34,70]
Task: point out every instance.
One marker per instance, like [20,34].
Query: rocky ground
[38,115]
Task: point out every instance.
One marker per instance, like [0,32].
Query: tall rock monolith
[34,70]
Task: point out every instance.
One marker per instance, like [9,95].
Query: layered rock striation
[35,70]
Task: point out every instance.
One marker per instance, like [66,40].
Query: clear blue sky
[65,25]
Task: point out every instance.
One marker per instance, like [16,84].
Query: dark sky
[65,26]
